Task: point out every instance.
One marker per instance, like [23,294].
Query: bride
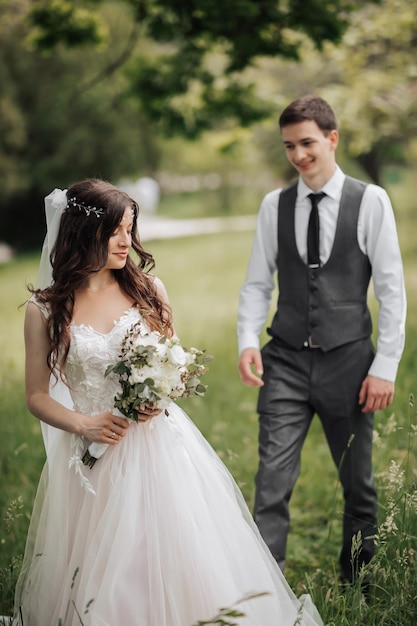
[156,533]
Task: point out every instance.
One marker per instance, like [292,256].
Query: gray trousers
[299,384]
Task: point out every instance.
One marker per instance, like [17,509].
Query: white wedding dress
[167,539]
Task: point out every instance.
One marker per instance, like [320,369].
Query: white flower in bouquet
[153,370]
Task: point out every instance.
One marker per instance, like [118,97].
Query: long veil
[55,204]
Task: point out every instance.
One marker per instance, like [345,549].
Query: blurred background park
[177,101]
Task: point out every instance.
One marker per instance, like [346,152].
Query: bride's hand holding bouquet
[152,371]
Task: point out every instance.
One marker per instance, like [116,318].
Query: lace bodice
[91,352]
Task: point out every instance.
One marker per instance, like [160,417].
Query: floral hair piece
[98,212]
[60,201]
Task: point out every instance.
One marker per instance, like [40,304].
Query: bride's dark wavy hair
[81,250]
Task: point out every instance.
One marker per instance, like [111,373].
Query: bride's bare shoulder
[160,288]
[36,308]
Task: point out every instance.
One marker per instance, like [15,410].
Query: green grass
[210,203]
[203,276]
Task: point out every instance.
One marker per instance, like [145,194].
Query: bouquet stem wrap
[96,450]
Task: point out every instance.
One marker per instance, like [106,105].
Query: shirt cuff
[248,340]
[384,367]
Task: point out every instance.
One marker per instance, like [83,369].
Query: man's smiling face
[311,151]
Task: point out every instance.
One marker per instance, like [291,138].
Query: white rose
[164,388]
[138,375]
[189,358]
[177,356]
[161,350]
[146,339]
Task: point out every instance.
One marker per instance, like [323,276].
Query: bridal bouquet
[152,371]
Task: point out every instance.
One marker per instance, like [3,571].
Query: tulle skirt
[167,539]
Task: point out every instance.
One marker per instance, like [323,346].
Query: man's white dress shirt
[377,238]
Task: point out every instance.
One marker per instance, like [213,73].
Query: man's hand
[375,394]
[251,357]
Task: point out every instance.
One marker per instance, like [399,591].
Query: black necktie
[313,240]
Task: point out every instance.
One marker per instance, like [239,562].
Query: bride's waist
[92,411]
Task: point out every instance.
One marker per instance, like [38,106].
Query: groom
[325,235]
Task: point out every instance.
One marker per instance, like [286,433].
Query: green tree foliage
[194,79]
[64,22]
[370,79]
[376,94]
[87,86]
[51,130]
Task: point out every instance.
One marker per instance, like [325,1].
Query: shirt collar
[332,188]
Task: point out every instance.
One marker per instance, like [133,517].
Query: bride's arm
[37,375]
[38,400]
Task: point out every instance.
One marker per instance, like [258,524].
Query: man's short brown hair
[310,108]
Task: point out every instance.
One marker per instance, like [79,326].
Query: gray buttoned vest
[329,302]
